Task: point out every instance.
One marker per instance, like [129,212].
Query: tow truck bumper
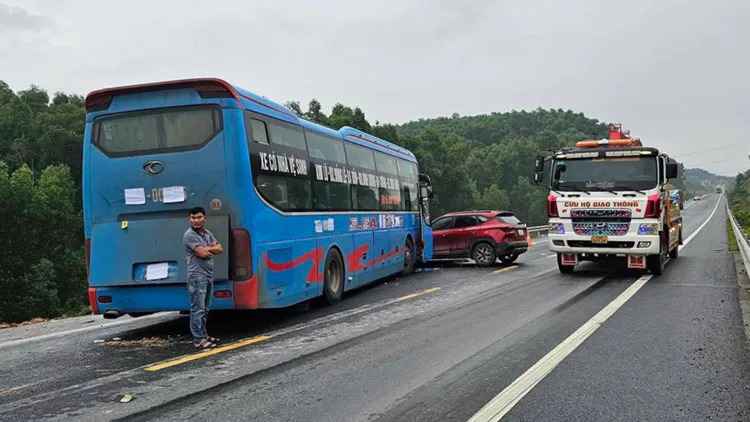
[616,245]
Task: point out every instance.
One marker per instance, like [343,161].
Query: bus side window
[390,194]
[260,133]
[364,198]
[408,176]
[256,130]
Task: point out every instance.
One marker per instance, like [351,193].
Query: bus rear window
[154,131]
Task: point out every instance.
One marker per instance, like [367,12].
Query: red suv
[483,236]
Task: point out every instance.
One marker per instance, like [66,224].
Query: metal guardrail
[742,242]
[537,231]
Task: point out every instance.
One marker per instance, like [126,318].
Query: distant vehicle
[697,198]
[717,190]
[483,236]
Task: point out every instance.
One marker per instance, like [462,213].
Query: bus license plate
[599,239]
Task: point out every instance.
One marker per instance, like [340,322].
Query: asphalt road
[437,345]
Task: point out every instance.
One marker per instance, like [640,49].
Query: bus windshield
[630,173]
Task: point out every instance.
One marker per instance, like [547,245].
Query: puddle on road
[144,342]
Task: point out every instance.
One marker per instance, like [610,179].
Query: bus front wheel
[408,258]
[333,281]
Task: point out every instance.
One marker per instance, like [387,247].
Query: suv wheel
[483,254]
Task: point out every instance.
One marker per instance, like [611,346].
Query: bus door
[425,224]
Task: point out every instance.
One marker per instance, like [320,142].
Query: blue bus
[303,211]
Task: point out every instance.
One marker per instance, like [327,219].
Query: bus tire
[333,277]
[408,258]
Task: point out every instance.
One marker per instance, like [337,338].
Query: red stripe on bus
[313,276]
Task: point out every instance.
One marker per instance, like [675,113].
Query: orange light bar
[587,144]
[605,143]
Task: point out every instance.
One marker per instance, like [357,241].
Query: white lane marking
[504,402]
[84,329]
[501,404]
[695,233]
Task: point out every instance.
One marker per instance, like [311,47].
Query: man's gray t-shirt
[197,267]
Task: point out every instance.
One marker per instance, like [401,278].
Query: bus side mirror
[538,178]
[425,186]
[671,170]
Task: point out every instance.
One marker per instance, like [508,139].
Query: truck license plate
[599,239]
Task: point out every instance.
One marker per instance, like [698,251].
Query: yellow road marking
[502,270]
[200,355]
[4,391]
[413,295]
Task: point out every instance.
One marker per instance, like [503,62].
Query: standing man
[200,248]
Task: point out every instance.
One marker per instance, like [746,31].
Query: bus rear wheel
[333,277]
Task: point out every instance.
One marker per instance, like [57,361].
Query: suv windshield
[628,173]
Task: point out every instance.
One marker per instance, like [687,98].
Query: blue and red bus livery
[305,210]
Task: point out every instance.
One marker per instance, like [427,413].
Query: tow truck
[611,198]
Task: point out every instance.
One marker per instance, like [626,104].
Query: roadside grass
[732,240]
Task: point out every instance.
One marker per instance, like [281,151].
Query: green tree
[43,233]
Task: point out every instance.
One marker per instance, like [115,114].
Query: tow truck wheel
[656,262]
[565,269]
[674,253]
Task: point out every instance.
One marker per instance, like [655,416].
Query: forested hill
[540,125]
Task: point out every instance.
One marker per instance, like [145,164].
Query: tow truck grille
[601,222]
[601,228]
[589,244]
[601,213]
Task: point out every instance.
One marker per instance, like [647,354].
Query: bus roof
[100,100]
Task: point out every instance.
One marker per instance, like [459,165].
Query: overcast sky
[678,76]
